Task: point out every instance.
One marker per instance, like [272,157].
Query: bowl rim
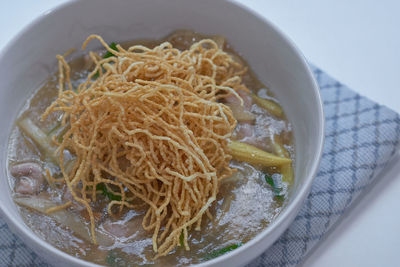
[285,217]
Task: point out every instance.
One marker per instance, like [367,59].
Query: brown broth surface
[245,204]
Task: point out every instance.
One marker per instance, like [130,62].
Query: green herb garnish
[102,187]
[111,259]
[222,251]
[108,54]
[96,75]
[114,259]
[269,180]
[277,190]
[113,46]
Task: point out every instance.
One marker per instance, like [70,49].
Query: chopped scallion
[108,54]
[102,187]
[277,190]
[222,251]
[114,259]
[113,46]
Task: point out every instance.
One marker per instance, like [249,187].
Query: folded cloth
[361,138]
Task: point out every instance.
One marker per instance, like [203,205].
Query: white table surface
[358,43]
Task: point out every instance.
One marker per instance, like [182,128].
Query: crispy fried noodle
[147,123]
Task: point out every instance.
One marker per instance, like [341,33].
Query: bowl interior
[30,58]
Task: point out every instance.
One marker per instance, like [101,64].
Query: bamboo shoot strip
[44,142]
[269,105]
[64,217]
[39,138]
[244,152]
[286,170]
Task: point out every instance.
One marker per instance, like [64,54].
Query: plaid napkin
[361,137]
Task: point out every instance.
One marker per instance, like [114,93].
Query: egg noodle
[147,124]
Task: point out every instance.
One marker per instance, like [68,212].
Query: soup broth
[247,202]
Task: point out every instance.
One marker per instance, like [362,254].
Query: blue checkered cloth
[361,138]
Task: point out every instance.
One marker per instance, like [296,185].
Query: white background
[358,43]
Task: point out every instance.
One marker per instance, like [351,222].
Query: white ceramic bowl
[30,58]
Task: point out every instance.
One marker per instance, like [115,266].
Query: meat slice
[29,178]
